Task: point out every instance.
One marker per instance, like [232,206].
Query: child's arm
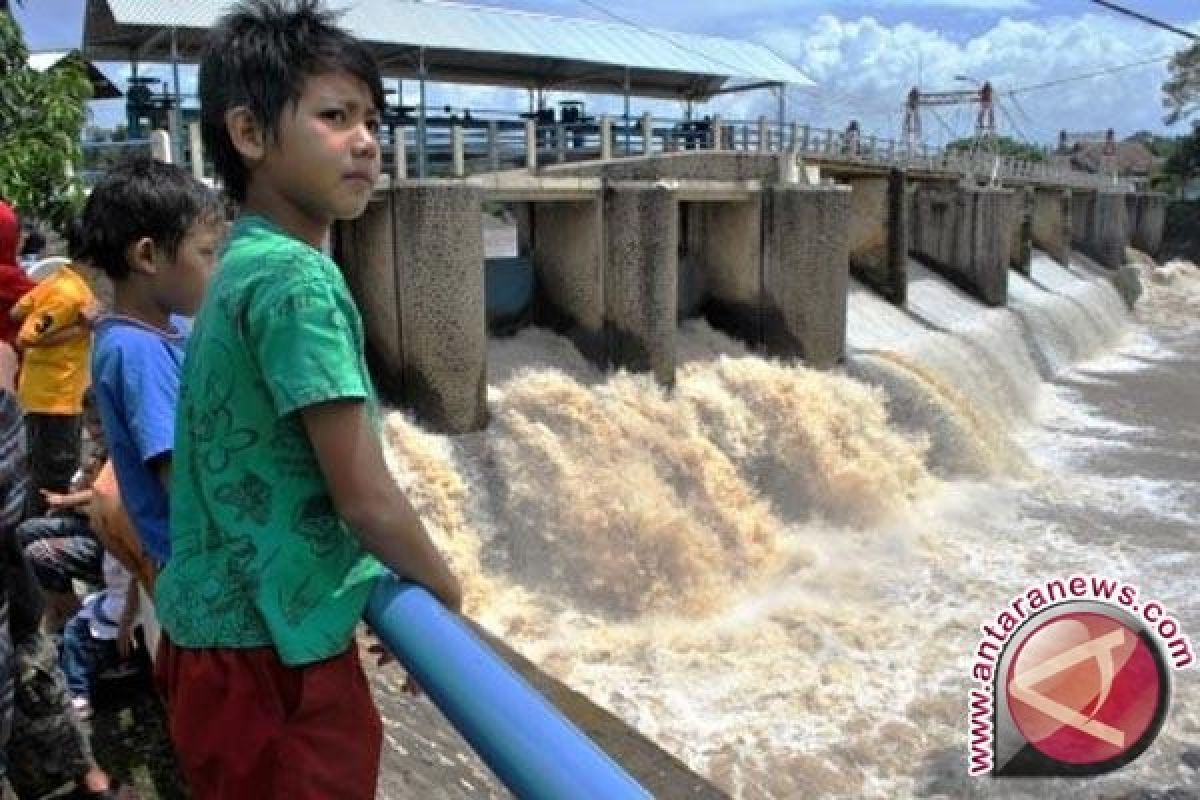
[128,617]
[369,501]
[57,500]
[56,319]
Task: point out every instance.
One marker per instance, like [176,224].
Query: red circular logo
[1084,688]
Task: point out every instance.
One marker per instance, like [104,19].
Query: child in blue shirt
[154,230]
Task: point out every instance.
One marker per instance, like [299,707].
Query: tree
[41,117]
[1181,92]
[1184,162]
[1000,145]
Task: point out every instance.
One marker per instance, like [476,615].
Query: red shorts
[247,727]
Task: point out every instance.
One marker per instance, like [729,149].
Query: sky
[864,55]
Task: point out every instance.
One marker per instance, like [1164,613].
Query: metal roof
[471,44]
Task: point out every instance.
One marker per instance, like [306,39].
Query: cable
[1087,75]
[1129,12]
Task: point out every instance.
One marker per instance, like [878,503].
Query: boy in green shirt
[281,501]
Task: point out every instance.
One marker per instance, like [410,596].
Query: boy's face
[183,281]
[325,160]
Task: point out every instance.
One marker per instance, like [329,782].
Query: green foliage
[1184,162]
[1000,145]
[1181,92]
[41,118]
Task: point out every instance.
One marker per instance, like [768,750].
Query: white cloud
[864,69]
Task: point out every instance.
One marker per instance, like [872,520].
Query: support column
[1105,230]
[568,261]
[531,149]
[606,143]
[1021,254]
[805,273]
[1052,223]
[440,291]
[965,234]
[878,234]
[458,151]
[717,132]
[1151,220]
[640,281]
[647,134]
[400,145]
[196,146]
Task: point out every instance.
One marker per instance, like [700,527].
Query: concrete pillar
[805,272]
[965,234]
[400,143]
[439,286]
[568,260]
[606,149]
[647,134]
[877,230]
[1021,252]
[718,133]
[794,137]
[493,129]
[764,134]
[160,146]
[1052,223]
[458,151]
[366,252]
[196,146]
[531,154]
[725,250]
[560,143]
[640,280]
[1151,220]
[1101,226]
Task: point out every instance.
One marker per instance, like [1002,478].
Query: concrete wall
[1100,225]
[878,233]
[439,287]
[725,248]
[640,282]
[1021,253]
[806,273]
[1052,231]
[568,260]
[966,234]
[1150,222]
[688,165]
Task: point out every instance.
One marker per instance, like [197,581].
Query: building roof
[1130,158]
[471,44]
[102,87]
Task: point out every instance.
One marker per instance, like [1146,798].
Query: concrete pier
[1100,225]
[569,251]
[640,282]
[878,231]
[1150,220]
[439,289]
[1021,254]
[965,233]
[806,273]
[1051,224]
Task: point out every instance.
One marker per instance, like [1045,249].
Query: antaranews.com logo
[1072,678]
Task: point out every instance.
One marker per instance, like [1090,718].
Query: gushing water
[778,573]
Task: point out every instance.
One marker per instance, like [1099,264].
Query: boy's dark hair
[73,233]
[137,199]
[259,56]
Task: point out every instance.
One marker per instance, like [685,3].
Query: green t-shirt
[259,556]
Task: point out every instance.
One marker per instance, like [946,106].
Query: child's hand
[383,656]
[56,501]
